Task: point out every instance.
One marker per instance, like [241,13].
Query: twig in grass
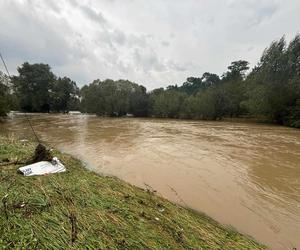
[178,196]
[17,162]
[4,201]
[73,221]
[149,189]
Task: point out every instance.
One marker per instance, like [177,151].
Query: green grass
[79,209]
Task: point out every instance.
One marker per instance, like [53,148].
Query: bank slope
[80,209]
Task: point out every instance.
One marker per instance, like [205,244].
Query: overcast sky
[154,43]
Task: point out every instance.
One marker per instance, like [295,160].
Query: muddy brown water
[243,175]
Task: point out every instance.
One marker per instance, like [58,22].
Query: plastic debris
[43,168]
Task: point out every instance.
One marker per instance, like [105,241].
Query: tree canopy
[4,94]
[114,98]
[39,90]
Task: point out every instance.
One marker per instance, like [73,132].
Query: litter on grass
[43,168]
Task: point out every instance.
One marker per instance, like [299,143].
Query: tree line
[270,92]
[37,89]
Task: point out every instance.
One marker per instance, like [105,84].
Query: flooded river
[244,175]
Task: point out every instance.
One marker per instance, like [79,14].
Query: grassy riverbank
[80,209]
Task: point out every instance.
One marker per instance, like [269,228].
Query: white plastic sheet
[43,167]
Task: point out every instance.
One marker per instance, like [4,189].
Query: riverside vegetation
[270,92]
[80,209]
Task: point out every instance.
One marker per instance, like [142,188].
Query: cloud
[261,12]
[165,43]
[92,14]
[30,38]
[53,5]
[147,60]
[155,43]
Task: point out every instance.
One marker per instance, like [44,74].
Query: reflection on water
[245,175]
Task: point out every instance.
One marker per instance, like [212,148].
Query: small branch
[73,221]
[17,162]
[178,196]
[4,201]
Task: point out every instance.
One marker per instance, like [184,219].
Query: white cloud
[155,43]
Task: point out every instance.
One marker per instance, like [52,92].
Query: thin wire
[4,65]
[28,120]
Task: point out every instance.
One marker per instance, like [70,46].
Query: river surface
[243,175]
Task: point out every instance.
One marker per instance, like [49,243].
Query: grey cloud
[73,3]
[53,5]
[165,43]
[88,11]
[262,14]
[34,40]
[92,14]
[176,66]
[115,38]
[119,37]
[147,61]
[259,10]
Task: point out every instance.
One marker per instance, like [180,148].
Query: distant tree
[114,98]
[234,88]
[293,117]
[272,67]
[236,71]
[239,67]
[64,95]
[172,87]
[4,94]
[138,101]
[33,85]
[167,103]
[89,99]
[192,85]
[293,55]
[273,85]
[210,79]
[206,105]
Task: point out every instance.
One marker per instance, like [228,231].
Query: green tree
[210,79]
[4,94]
[114,98]
[237,69]
[138,101]
[64,95]
[195,84]
[206,105]
[273,85]
[234,88]
[33,86]
[166,103]
[192,85]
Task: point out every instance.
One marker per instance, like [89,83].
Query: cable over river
[242,174]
